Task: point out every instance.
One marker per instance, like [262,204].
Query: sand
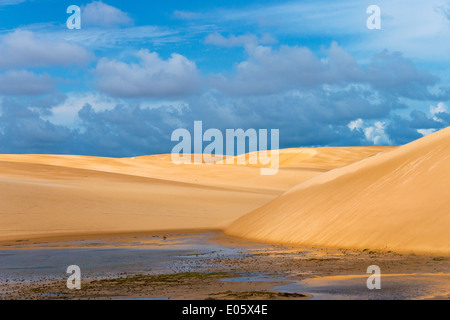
[398,200]
[65,196]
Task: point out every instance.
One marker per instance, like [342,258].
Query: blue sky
[137,70]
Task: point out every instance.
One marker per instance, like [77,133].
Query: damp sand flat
[107,257]
[212,266]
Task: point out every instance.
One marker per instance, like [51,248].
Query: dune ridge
[398,200]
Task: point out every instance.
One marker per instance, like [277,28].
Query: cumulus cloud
[303,119]
[130,129]
[100,14]
[268,71]
[314,99]
[22,130]
[441,107]
[437,110]
[398,130]
[127,128]
[393,73]
[22,82]
[374,133]
[356,124]
[65,111]
[24,49]
[153,77]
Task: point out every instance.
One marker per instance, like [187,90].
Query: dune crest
[399,200]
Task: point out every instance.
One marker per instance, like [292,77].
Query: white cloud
[22,82]
[268,70]
[356,124]
[99,14]
[153,77]
[439,108]
[66,112]
[23,49]
[425,132]
[376,134]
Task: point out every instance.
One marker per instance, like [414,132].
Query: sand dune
[58,195]
[161,167]
[399,200]
[39,199]
[323,159]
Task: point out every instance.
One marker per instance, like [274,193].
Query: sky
[137,70]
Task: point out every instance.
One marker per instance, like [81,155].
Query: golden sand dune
[399,200]
[161,167]
[44,195]
[322,159]
[39,199]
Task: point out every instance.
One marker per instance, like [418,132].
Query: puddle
[254,278]
[150,254]
[53,294]
[353,287]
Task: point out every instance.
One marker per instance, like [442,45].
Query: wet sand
[213,266]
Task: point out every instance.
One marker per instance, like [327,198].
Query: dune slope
[399,200]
